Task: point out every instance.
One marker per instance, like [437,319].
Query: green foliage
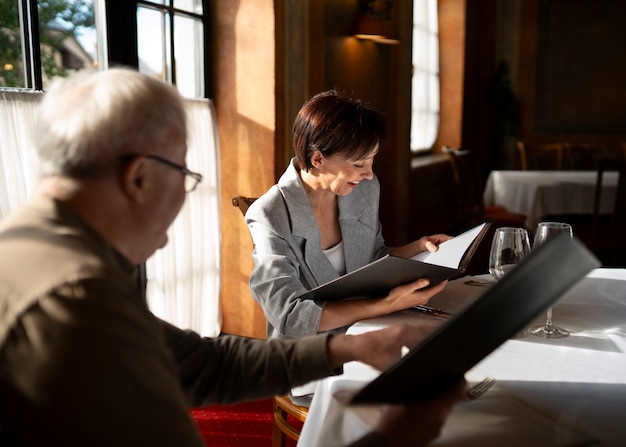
[71,15]
[10,47]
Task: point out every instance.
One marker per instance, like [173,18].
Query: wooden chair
[471,208]
[470,190]
[540,157]
[243,203]
[605,235]
[283,406]
[587,156]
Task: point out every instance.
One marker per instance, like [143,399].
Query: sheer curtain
[425,81]
[18,161]
[184,277]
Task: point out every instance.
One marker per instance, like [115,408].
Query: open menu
[504,309]
[379,277]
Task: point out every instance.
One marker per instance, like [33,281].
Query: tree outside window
[62,26]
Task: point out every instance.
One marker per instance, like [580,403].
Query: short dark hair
[335,123]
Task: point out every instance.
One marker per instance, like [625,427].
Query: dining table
[548,392]
[537,194]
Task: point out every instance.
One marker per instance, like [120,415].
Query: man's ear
[136,179]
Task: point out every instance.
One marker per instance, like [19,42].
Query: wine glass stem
[549,318]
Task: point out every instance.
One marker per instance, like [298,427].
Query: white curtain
[184,277]
[18,161]
[425,81]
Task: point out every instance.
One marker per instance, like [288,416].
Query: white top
[337,258]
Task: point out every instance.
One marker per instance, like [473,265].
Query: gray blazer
[288,258]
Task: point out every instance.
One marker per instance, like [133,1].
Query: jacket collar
[351,208]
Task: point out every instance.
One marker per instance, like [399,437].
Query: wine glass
[510,245]
[545,231]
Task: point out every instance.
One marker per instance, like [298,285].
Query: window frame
[119,38]
[31,50]
[428,71]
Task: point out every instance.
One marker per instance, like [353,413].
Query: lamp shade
[369,27]
[375,25]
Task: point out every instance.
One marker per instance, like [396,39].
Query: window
[425,79]
[171,43]
[41,40]
[165,40]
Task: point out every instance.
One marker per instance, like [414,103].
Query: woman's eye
[358,166]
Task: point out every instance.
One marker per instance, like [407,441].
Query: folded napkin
[497,418]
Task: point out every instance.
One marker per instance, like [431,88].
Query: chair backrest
[470,189]
[283,406]
[243,203]
[587,156]
[540,157]
[618,214]
[606,237]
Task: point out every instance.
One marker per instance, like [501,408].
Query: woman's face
[340,175]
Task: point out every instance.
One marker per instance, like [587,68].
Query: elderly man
[82,360]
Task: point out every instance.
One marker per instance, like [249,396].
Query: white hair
[92,120]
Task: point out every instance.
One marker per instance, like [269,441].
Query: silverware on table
[432,311]
[478,282]
[480,388]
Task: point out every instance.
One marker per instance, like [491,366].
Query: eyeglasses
[191,178]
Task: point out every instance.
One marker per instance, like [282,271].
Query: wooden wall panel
[244,73]
[581,66]
[571,72]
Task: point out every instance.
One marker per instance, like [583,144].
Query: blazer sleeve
[280,273]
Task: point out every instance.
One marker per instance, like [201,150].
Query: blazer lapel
[304,227]
[350,211]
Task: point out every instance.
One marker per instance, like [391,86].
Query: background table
[548,392]
[542,193]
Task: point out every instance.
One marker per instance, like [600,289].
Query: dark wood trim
[299,66]
[121,20]
[31,44]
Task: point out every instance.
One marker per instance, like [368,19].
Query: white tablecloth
[561,392]
[540,193]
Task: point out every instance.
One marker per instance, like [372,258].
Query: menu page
[451,252]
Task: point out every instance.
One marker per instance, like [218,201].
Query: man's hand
[419,424]
[379,349]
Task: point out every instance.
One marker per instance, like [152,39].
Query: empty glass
[545,231]
[510,245]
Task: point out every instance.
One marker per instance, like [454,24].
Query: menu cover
[504,309]
[377,278]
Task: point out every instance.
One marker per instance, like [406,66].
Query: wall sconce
[374,22]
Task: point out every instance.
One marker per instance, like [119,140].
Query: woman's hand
[430,243]
[412,294]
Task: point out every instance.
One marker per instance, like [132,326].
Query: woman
[320,221]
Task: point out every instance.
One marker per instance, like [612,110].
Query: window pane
[152,32]
[425,83]
[194,6]
[11,65]
[189,56]
[67,35]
